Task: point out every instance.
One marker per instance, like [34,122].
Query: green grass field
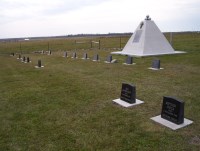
[67,105]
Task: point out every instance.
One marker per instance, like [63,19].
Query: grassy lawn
[67,105]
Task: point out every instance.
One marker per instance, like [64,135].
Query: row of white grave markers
[109,59]
[172,112]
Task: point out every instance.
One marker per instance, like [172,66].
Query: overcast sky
[30,18]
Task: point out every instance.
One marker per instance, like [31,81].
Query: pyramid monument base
[147,40]
[145,55]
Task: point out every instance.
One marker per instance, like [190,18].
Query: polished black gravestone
[128,96]
[173,110]
[156,64]
[65,54]
[28,60]
[172,114]
[85,56]
[19,57]
[96,57]
[23,59]
[129,60]
[109,58]
[74,55]
[128,93]
[39,63]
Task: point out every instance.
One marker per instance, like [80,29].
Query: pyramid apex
[147,18]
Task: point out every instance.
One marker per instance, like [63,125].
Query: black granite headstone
[85,56]
[28,60]
[109,58]
[39,63]
[129,60]
[96,57]
[156,64]
[23,59]
[173,110]
[65,54]
[128,93]
[74,55]
[19,56]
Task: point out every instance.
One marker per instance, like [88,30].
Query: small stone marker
[49,52]
[19,56]
[65,54]
[128,93]
[172,114]
[129,61]
[96,57]
[39,64]
[173,110]
[128,96]
[74,55]
[108,59]
[27,59]
[155,65]
[23,59]
[12,54]
[85,56]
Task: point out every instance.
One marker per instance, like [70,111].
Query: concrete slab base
[155,68]
[169,124]
[39,67]
[129,64]
[126,104]
[107,62]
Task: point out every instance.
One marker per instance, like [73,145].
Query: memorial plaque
[128,93]
[109,58]
[156,64]
[129,60]
[39,63]
[173,110]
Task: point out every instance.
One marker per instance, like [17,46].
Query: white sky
[30,18]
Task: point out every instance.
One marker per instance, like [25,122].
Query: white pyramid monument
[147,40]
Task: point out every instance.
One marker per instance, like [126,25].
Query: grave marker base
[169,124]
[155,68]
[129,64]
[107,62]
[39,67]
[126,104]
